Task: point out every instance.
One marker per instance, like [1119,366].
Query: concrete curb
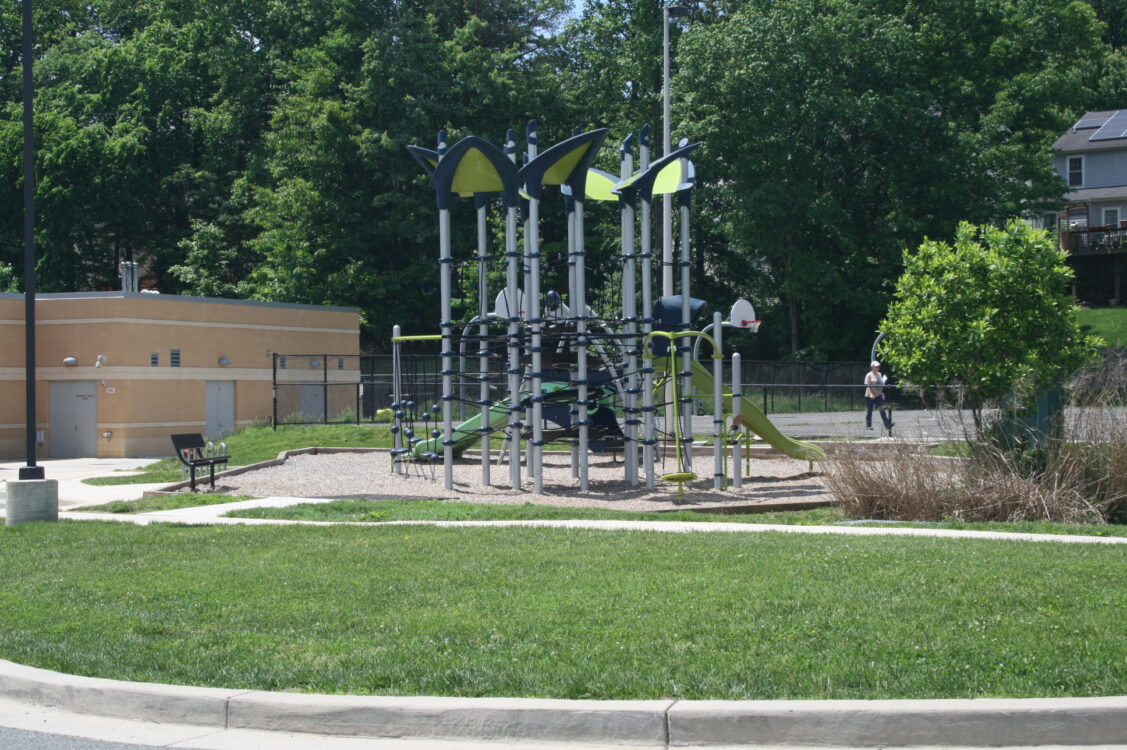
[664,723]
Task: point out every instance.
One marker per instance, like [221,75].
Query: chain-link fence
[805,400]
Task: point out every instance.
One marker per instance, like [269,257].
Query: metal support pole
[571,294]
[532,248]
[274,386]
[446,325]
[666,139]
[718,404]
[396,399]
[683,345]
[649,426]
[581,343]
[737,410]
[483,335]
[31,471]
[630,318]
[513,271]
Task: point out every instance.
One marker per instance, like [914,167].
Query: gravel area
[768,482]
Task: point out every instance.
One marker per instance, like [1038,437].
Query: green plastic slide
[465,434]
[754,419]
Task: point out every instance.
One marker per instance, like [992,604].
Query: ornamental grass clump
[1075,473]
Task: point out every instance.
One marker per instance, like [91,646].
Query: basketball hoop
[743,316]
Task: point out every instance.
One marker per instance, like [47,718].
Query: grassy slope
[263,444]
[569,614]
[1109,323]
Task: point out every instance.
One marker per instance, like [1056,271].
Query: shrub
[1076,475]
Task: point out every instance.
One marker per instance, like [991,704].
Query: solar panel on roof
[1090,123]
[1115,127]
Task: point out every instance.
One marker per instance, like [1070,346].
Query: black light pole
[31,471]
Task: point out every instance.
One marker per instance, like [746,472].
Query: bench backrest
[187,442]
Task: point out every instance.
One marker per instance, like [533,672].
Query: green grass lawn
[564,613]
[1109,323]
[444,510]
[374,511]
[162,502]
[257,444]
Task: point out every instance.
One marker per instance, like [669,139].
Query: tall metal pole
[666,140]
[535,452]
[630,317]
[649,426]
[31,471]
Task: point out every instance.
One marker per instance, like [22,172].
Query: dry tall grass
[1079,475]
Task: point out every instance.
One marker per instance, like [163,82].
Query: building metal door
[74,419]
[219,406]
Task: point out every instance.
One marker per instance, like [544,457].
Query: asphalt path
[23,740]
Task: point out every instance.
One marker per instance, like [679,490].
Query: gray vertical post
[737,410]
[630,318]
[446,325]
[513,291]
[581,342]
[483,335]
[718,403]
[396,399]
[666,140]
[569,204]
[684,347]
[649,440]
[532,248]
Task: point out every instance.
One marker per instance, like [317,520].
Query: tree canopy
[256,148]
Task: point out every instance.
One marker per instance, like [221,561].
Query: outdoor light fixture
[70,361]
[223,361]
[314,363]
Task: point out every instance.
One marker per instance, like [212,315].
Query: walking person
[874,396]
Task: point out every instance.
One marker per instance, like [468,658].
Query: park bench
[190,449]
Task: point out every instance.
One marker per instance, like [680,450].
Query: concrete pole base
[31,500]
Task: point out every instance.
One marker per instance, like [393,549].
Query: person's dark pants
[875,403]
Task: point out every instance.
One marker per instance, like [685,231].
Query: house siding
[1102,169]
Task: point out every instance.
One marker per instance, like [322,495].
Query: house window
[1111,218]
[174,358]
[1049,221]
[1075,171]
[340,364]
[154,360]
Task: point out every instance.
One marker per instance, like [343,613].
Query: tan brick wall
[141,405]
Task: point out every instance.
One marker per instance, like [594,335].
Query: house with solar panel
[1092,159]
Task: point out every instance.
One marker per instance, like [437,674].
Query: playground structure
[570,371]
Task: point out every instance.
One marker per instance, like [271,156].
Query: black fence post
[324,389]
[274,388]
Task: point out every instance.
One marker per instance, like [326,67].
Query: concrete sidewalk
[71,471]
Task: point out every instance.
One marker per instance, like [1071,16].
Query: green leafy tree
[345,215]
[837,132]
[8,280]
[989,313]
